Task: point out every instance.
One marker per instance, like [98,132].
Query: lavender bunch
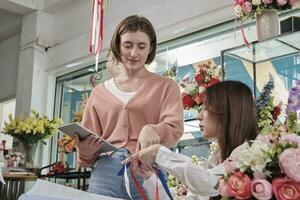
[265,96]
[293,106]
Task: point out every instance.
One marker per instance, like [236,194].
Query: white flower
[190,87]
[256,2]
[254,157]
[201,89]
[238,10]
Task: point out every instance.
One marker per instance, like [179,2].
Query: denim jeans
[105,181]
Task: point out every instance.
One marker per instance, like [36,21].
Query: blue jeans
[105,181]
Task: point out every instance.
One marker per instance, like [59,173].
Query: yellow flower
[32,129]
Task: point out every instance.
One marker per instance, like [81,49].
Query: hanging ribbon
[96,34]
[159,175]
[242,31]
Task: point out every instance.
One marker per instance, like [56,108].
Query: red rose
[199,98]
[212,82]
[286,189]
[199,78]
[239,186]
[187,101]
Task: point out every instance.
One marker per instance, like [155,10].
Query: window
[6,108]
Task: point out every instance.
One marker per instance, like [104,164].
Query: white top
[200,179]
[111,86]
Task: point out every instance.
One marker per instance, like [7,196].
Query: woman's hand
[147,137]
[89,146]
[139,170]
[144,158]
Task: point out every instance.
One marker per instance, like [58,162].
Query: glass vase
[30,150]
[267,24]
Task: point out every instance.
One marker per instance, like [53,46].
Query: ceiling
[11,12]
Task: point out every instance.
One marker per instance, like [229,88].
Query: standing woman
[229,117]
[133,110]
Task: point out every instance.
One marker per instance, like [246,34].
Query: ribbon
[96,34]
[242,31]
[159,175]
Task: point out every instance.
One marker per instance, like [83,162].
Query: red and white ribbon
[96,34]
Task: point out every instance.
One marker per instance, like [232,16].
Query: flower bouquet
[193,90]
[244,9]
[30,131]
[266,168]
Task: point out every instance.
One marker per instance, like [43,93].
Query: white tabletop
[45,190]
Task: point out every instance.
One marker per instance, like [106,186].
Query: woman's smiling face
[135,48]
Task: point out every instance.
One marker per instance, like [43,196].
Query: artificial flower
[193,91]
[285,189]
[261,189]
[289,161]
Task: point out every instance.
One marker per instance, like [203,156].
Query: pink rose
[293,2]
[222,188]
[281,2]
[289,162]
[285,189]
[247,7]
[240,2]
[267,2]
[292,138]
[238,186]
[261,189]
[230,165]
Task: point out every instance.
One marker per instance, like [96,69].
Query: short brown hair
[232,104]
[134,23]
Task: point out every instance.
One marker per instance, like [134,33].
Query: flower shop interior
[48,72]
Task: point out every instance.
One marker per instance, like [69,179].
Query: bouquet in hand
[193,90]
[266,168]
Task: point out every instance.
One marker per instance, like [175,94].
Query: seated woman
[228,115]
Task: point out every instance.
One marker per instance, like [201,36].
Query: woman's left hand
[145,158]
[147,137]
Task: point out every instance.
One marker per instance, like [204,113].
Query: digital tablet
[75,128]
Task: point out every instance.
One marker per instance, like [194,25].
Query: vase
[30,150]
[267,24]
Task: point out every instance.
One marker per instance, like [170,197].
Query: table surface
[27,177]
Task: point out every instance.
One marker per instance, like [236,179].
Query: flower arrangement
[171,72]
[244,9]
[33,129]
[29,131]
[265,168]
[79,114]
[15,159]
[193,90]
[66,144]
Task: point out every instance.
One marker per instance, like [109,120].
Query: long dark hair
[232,104]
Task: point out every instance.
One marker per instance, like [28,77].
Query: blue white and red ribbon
[96,34]
[159,175]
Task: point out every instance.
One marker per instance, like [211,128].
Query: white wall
[9,59]
[71,26]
